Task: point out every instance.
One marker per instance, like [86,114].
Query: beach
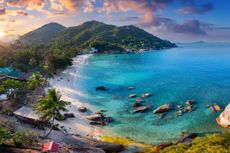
[65,83]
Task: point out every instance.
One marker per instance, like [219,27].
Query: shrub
[4,134]
[8,111]
[218,143]
[24,138]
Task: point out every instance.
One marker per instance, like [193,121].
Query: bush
[4,134]
[24,138]
[8,111]
[208,144]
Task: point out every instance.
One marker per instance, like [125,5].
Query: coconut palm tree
[50,106]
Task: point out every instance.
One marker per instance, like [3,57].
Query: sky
[175,20]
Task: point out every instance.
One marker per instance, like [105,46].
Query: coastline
[65,82]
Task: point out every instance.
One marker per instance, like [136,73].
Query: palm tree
[50,106]
[36,80]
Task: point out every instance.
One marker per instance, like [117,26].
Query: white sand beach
[65,82]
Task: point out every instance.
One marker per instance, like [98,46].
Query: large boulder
[224,118]
[95,117]
[162,109]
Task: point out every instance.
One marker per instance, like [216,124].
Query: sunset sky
[176,20]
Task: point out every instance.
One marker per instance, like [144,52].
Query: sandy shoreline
[65,83]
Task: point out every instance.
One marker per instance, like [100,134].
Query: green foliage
[208,144]
[13,87]
[4,134]
[8,111]
[24,138]
[35,81]
[108,37]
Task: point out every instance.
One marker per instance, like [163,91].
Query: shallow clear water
[199,72]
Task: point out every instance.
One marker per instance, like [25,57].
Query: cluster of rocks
[137,104]
[184,108]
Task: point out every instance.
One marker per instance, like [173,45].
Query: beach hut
[29,115]
[224,118]
[50,147]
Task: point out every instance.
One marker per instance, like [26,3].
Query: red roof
[51,147]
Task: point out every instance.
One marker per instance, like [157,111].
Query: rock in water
[95,117]
[217,108]
[142,109]
[162,109]
[190,102]
[147,94]
[102,88]
[132,95]
[224,118]
[131,88]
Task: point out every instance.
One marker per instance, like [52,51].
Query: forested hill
[95,34]
[42,35]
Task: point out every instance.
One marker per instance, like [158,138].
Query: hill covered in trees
[95,34]
[42,35]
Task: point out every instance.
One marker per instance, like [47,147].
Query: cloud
[145,7]
[28,4]
[73,5]
[129,19]
[191,26]
[2,11]
[21,13]
[195,9]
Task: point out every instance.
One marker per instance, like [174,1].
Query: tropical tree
[14,88]
[36,80]
[50,107]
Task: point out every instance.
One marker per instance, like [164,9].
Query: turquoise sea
[199,71]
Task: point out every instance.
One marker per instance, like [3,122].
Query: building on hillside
[29,115]
[10,73]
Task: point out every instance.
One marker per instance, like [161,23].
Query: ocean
[200,72]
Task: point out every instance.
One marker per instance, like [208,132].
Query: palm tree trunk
[51,127]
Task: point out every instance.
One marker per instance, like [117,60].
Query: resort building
[10,73]
[28,114]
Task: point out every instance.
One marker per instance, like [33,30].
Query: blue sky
[176,20]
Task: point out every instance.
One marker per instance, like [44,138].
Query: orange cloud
[29,4]
[73,5]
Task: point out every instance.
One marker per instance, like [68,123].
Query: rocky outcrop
[224,118]
[162,109]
